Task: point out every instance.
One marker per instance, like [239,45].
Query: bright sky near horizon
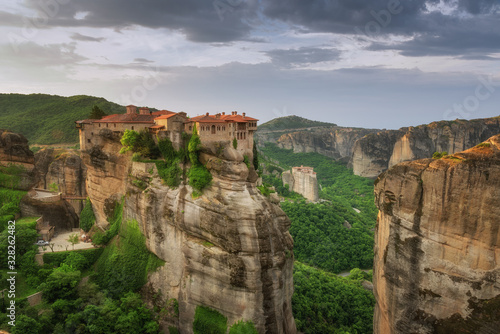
[366,63]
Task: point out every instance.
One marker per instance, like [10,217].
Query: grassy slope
[49,119]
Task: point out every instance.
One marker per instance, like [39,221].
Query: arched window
[213,129]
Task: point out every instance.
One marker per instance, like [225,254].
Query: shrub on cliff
[194,147]
[243,327]
[167,150]
[208,321]
[139,142]
[126,261]
[87,217]
[199,177]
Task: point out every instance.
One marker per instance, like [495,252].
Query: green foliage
[73,239]
[208,321]
[139,142]
[10,200]
[439,155]
[194,147]
[199,177]
[25,237]
[61,283]
[100,238]
[265,190]
[90,256]
[167,150]
[320,239]
[235,143]
[76,261]
[292,122]
[243,327]
[140,184]
[125,262]
[170,172]
[357,274]
[96,113]
[325,303]
[54,187]
[51,118]
[246,161]
[255,156]
[483,145]
[173,330]
[129,141]
[26,325]
[10,175]
[87,217]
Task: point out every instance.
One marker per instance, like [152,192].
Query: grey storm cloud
[301,56]
[467,30]
[200,20]
[85,38]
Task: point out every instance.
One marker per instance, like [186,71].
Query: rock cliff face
[64,169]
[14,150]
[376,152]
[437,244]
[305,184]
[228,249]
[334,142]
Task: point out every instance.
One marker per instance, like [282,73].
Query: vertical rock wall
[228,249]
[437,245]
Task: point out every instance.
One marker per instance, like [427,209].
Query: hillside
[49,119]
[290,123]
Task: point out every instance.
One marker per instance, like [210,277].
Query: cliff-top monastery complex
[168,124]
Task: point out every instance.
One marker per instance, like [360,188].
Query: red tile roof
[126,118]
[221,119]
[166,116]
[162,112]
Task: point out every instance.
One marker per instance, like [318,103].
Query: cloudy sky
[367,63]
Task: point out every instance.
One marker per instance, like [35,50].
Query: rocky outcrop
[333,142]
[228,249]
[59,213]
[64,170]
[303,181]
[437,244]
[15,154]
[376,152]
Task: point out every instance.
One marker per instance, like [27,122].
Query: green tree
[194,147]
[26,325]
[96,113]
[73,239]
[61,284]
[87,217]
[129,140]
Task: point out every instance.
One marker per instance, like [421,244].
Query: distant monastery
[168,124]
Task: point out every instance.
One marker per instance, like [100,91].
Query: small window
[88,140]
[190,128]
[99,124]
[115,125]
[132,128]
[107,125]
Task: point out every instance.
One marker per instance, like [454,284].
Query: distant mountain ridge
[291,122]
[49,119]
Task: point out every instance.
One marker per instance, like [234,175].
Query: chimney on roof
[217,115]
[244,115]
[131,109]
[207,114]
[223,113]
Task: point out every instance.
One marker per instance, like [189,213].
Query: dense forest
[330,235]
[49,119]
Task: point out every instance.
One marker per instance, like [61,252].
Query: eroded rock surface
[228,249]
[437,244]
[377,152]
[14,151]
